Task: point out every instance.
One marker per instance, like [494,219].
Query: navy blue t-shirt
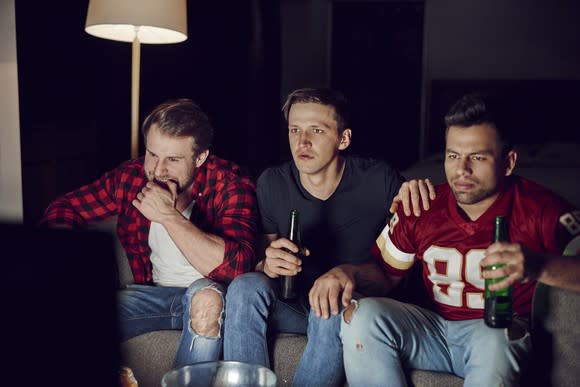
[340,229]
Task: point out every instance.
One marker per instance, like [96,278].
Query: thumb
[395,204]
[347,294]
[173,186]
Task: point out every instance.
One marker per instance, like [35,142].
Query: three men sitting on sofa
[343,203]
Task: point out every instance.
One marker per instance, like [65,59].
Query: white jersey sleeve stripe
[391,254]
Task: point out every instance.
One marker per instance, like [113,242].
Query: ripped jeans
[384,338]
[144,308]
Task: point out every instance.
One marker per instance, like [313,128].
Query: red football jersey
[451,247]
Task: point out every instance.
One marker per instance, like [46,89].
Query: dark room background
[75,88]
[401,63]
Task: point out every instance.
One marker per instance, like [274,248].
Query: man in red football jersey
[382,337]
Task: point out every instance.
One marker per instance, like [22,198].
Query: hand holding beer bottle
[288,284]
[498,303]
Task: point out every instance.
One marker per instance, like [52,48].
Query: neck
[475,210]
[323,184]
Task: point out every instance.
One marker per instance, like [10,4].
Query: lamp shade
[155,21]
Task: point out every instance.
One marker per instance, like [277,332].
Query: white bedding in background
[555,165]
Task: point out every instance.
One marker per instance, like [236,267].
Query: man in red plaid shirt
[187,222]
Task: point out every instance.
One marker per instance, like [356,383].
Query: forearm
[562,272]
[204,251]
[371,280]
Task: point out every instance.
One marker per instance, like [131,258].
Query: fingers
[415,189]
[347,294]
[512,265]
[395,203]
[328,291]
[283,243]
[501,252]
[404,196]
[427,192]
[280,261]
[414,195]
[431,188]
[313,299]
[324,301]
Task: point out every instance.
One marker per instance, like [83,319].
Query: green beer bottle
[498,304]
[288,284]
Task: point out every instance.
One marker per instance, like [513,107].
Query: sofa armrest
[555,336]
[125,275]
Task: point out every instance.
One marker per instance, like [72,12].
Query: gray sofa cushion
[555,337]
[150,356]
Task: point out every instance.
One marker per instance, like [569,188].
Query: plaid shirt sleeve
[88,204]
[234,214]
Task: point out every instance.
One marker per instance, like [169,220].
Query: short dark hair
[181,118]
[477,109]
[322,96]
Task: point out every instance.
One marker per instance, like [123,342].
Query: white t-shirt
[170,267]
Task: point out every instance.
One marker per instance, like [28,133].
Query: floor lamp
[136,22]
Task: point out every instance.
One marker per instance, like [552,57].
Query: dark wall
[376,61]
[540,110]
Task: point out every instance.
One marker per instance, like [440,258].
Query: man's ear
[510,161]
[200,159]
[345,139]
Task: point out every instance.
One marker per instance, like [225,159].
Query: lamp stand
[135,64]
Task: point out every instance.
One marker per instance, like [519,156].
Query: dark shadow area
[376,62]
[59,326]
[541,110]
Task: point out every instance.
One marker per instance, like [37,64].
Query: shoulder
[372,168]
[276,174]
[528,191]
[437,214]
[127,176]
[130,166]
[368,164]
[226,171]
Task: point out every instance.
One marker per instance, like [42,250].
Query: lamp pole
[135,64]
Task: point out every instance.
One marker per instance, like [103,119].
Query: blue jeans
[253,311]
[386,337]
[144,308]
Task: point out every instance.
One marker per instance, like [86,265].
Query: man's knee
[205,312]
[247,286]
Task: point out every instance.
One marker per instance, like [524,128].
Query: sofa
[555,334]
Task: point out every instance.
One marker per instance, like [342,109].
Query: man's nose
[304,138]
[159,168]
[463,166]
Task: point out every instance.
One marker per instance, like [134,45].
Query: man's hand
[336,284]
[281,259]
[519,264]
[155,202]
[409,195]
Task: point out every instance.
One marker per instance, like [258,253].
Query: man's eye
[451,156]
[317,130]
[173,159]
[478,158]
[293,130]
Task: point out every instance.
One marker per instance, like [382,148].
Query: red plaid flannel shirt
[225,205]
